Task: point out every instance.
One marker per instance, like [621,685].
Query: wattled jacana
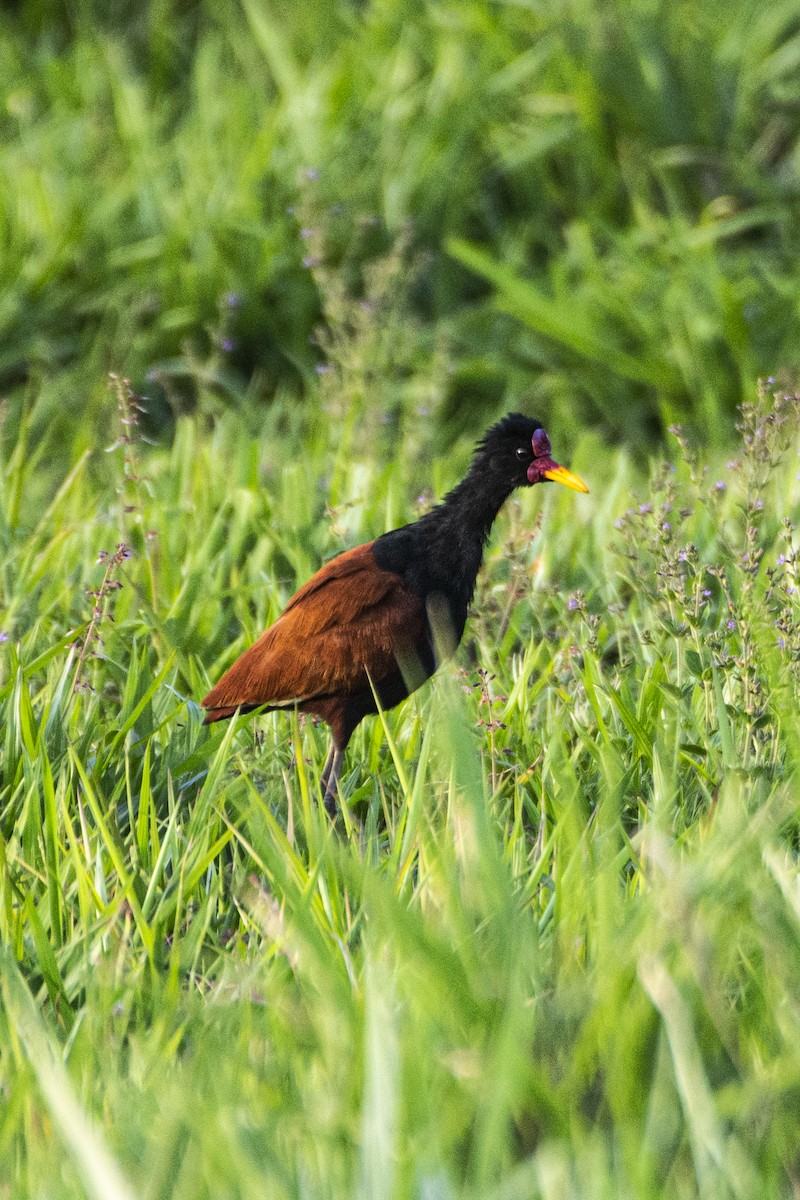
[375,620]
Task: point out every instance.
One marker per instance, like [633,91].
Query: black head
[517,450]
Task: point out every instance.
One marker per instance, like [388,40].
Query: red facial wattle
[544,467]
[541,444]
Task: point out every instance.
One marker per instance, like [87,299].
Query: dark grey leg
[330,778]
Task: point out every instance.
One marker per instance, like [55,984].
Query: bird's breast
[440,572]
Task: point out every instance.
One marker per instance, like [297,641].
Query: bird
[373,623]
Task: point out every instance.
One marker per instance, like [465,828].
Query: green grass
[552,946]
[602,200]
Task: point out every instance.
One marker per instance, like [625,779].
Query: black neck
[441,553]
[468,512]
[457,530]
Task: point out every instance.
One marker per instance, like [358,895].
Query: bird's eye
[523,452]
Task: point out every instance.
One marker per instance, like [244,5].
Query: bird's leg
[330,777]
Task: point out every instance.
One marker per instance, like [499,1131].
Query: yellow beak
[562,475]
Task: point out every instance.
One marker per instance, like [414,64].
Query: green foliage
[552,945]
[601,198]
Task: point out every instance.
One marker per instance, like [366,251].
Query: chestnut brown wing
[350,623]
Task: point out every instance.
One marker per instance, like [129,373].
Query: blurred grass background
[601,200]
[552,948]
